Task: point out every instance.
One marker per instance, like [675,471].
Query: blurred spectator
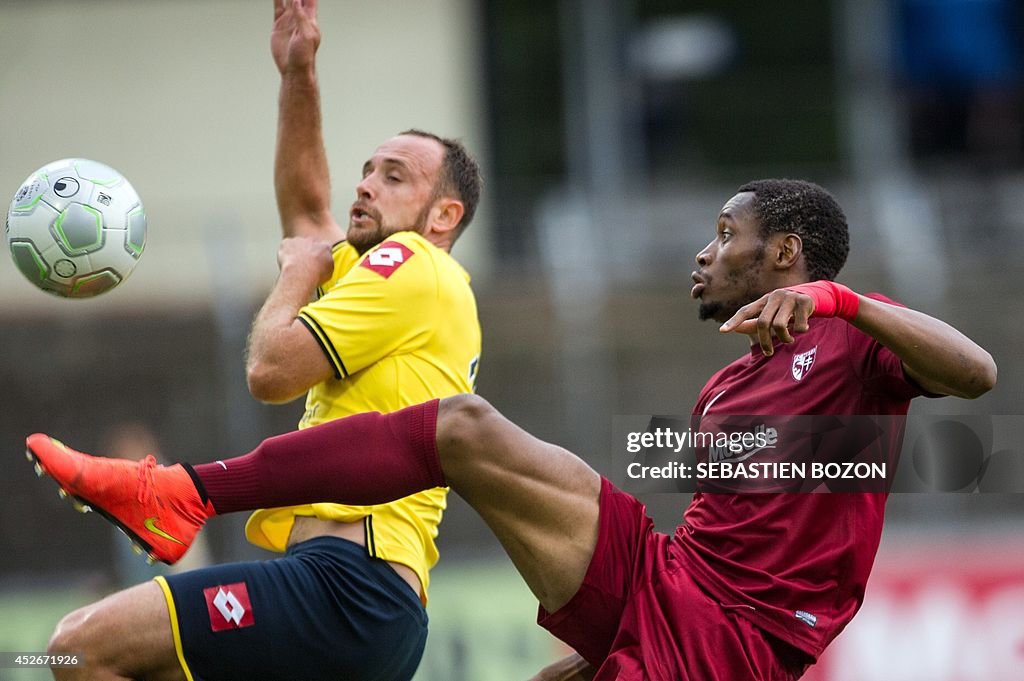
[134,440]
[960,61]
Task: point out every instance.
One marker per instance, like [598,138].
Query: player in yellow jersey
[398,327]
[392,323]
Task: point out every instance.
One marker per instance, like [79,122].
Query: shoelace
[146,467]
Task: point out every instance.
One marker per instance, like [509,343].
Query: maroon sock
[363,459]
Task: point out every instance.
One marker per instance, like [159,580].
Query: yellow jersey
[399,326]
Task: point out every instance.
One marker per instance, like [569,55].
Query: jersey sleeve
[878,367]
[381,306]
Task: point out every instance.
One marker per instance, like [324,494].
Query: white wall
[181,97]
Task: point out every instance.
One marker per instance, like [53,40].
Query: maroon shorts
[638,615]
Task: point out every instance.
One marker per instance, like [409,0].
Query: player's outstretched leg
[161,508]
[540,500]
[158,507]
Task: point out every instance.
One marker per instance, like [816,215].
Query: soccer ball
[76,228]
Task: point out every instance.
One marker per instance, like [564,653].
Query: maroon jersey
[796,565]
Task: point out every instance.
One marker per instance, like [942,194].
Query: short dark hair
[460,175]
[809,211]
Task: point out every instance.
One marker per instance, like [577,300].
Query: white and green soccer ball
[76,228]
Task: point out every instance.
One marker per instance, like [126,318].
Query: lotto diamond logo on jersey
[387,258]
[803,362]
[229,606]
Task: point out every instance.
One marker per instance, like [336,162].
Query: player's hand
[780,313]
[304,256]
[296,34]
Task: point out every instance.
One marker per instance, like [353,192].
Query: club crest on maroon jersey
[229,606]
[803,362]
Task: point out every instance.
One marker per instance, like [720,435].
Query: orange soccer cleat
[158,507]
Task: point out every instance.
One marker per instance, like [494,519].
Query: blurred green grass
[26,620]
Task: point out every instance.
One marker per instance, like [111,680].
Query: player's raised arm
[301,177]
[283,360]
[939,358]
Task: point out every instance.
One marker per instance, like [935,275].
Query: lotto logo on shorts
[229,606]
[387,258]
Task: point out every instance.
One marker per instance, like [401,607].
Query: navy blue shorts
[325,611]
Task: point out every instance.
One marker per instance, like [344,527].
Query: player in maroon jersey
[748,587]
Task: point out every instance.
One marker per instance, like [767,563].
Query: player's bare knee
[460,419]
[68,635]
[463,422]
[74,635]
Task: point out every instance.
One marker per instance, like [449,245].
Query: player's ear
[446,215]
[787,249]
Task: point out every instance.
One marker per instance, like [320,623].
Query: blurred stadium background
[612,131]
